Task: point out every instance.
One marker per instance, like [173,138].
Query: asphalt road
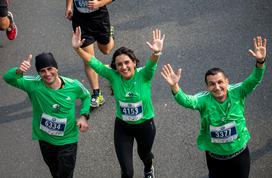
[199,35]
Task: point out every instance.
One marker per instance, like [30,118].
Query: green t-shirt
[223,128]
[53,110]
[133,96]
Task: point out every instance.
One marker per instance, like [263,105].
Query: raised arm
[14,75]
[76,44]
[171,77]
[259,51]
[156,45]
[255,78]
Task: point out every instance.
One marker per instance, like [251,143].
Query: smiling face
[218,86]
[49,75]
[125,66]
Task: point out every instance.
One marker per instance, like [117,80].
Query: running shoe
[97,100]
[150,174]
[112,31]
[12,29]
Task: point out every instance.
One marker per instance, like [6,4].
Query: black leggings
[124,135]
[237,167]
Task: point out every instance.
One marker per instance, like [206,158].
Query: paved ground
[199,35]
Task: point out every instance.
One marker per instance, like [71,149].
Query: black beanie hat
[45,60]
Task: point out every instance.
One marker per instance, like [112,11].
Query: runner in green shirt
[134,109]
[223,132]
[53,101]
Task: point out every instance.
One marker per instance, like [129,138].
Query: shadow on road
[267,148]
[15,112]
[255,155]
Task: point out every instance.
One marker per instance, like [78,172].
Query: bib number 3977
[53,125]
[131,111]
[223,134]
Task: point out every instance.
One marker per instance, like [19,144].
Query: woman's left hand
[157,43]
[76,38]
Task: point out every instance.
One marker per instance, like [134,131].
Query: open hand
[76,38]
[157,43]
[259,51]
[170,76]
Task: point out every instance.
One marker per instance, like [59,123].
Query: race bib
[131,111]
[223,134]
[81,6]
[53,125]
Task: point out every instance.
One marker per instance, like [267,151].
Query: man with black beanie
[54,123]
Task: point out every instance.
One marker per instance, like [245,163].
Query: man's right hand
[171,77]
[25,65]
[69,14]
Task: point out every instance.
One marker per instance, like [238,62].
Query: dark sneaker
[97,100]
[150,174]
[12,29]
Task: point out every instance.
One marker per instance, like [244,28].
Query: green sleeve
[14,79]
[101,69]
[84,96]
[149,69]
[252,81]
[187,101]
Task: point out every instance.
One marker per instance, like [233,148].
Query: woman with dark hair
[132,91]
[128,52]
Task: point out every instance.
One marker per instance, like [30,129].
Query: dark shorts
[3,8]
[93,30]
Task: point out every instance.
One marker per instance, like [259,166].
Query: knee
[4,23]
[106,51]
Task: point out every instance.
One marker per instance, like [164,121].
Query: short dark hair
[126,51]
[214,71]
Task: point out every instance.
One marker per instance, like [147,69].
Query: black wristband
[87,116]
[157,53]
[260,62]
